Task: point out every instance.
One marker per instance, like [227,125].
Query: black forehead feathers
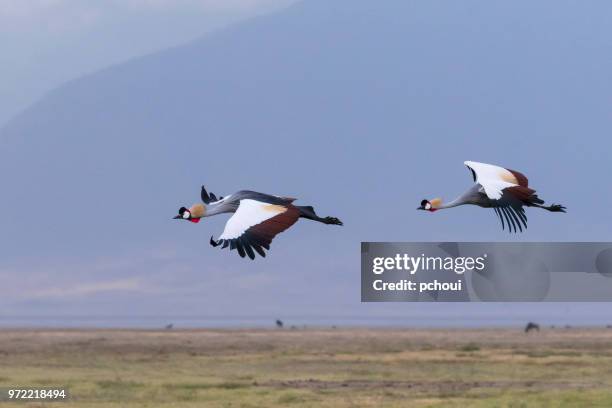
[424,202]
[182,210]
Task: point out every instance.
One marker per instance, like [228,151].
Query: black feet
[332,221]
[556,208]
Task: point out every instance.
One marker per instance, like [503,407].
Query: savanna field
[562,367]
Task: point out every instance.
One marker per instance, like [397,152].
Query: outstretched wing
[494,179]
[507,192]
[254,225]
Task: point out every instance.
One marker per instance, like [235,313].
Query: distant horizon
[237,322]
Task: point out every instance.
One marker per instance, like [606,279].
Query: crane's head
[193,214]
[430,206]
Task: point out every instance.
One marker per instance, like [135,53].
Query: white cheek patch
[186,215]
[427,206]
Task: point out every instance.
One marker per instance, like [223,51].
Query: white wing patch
[493,179]
[250,212]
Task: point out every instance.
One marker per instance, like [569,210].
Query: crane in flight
[506,191]
[257,218]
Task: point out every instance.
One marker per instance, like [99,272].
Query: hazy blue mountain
[359,108]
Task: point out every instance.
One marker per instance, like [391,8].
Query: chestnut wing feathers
[520,178]
[254,225]
[506,191]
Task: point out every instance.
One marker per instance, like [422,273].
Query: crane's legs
[551,208]
[309,213]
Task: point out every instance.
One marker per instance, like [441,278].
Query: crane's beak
[178,217]
[420,208]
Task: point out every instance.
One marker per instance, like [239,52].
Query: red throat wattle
[194,220]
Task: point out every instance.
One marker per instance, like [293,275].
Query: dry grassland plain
[312,367]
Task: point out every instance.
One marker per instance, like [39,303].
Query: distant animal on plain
[169,326]
[257,218]
[506,191]
[279,323]
[532,326]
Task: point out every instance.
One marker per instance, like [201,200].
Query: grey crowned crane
[257,218]
[506,191]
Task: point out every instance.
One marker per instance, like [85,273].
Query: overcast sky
[370,107]
[44,43]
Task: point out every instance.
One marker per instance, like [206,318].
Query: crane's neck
[220,207]
[468,197]
[456,202]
